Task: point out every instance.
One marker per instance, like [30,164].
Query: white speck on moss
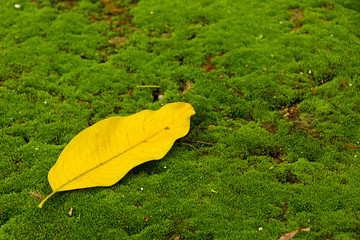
[260,228]
[17,6]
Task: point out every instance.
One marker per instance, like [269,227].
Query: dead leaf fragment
[37,195]
[290,235]
[70,212]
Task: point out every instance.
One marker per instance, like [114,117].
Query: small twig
[148,86]
[188,145]
[343,82]
[212,144]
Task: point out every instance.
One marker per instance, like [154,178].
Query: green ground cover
[275,85]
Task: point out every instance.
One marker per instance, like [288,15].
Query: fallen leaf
[102,154]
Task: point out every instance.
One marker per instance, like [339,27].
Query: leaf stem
[44,200]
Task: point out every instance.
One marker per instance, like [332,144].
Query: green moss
[275,86]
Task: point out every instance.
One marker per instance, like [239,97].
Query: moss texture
[275,85]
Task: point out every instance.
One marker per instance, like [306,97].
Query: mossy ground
[275,85]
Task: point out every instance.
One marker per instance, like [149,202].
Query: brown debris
[328,6]
[269,127]
[37,195]
[279,159]
[187,87]
[86,102]
[209,66]
[297,16]
[111,9]
[292,112]
[130,92]
[118,40]
[70,212]
[236,92]
[301,121]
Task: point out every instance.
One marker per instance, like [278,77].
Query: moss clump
[274,145]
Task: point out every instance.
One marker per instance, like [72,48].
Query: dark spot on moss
[180,59]
[291,178]
[287,177]
[344,181]
[117,109]
[269,127]
[26,139]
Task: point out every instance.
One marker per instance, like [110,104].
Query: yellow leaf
[102,154]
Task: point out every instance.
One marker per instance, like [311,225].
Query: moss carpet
[273,147]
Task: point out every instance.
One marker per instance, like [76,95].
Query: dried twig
[188,145]
[207,143]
